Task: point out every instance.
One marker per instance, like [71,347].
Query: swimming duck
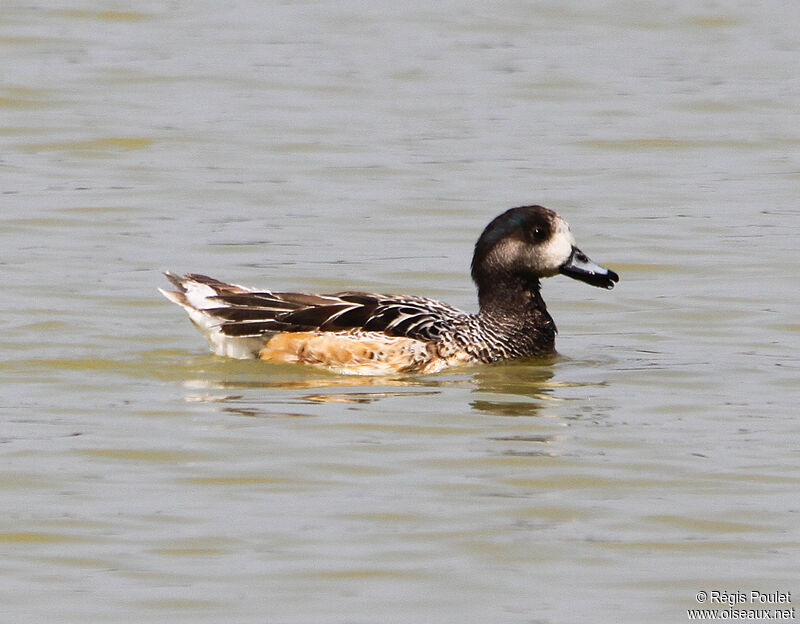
[372,334]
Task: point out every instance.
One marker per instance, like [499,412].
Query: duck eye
[539,234]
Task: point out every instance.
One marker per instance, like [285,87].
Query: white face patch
[548,257]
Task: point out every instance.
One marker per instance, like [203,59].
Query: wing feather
[243,312]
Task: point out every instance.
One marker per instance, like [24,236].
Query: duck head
[529,243]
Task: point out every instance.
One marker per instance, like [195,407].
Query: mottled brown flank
[356,352]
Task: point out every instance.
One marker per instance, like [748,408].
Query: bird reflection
[519,389]
[515,389]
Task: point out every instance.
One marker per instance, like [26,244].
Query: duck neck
[510,296]
[512,308]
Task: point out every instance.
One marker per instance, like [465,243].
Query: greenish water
[318,148]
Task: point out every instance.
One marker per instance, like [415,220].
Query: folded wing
[249,313]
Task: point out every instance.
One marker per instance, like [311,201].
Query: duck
[366,333]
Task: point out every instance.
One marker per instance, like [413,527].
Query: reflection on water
[522,388]
[507,382]
[360,397]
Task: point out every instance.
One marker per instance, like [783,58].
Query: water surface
[315,147]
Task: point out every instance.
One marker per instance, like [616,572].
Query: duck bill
[578,266]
